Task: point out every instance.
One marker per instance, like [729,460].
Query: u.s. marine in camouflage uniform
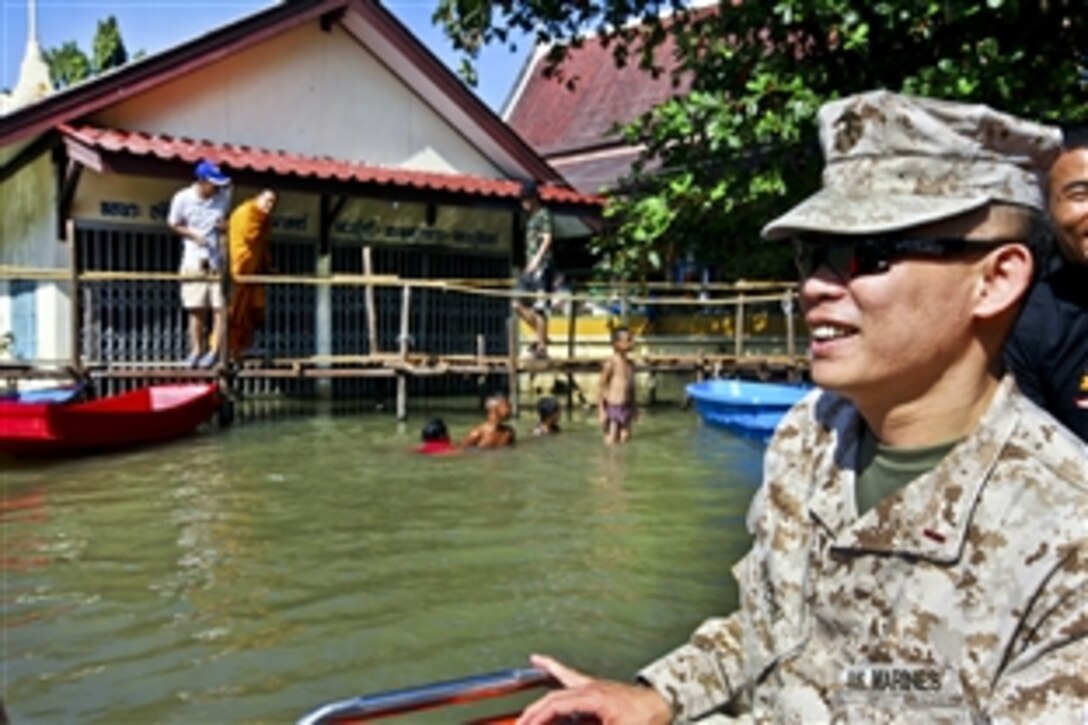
[921,536]
[963,594]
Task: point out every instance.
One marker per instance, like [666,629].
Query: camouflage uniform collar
[930,517]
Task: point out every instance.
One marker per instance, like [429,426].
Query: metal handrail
[425,697]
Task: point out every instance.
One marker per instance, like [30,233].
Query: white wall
[309,92]
[54,323]
[27,221]
[28,238]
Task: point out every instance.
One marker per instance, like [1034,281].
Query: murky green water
[254,573]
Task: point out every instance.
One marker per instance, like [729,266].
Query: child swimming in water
[436,438]
[548,410]
[493,432]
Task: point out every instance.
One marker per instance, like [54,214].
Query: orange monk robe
[249,235]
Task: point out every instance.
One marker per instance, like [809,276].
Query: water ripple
[252,573]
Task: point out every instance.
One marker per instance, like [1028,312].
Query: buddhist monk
[250,235]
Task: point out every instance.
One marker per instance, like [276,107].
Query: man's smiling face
[1068,203]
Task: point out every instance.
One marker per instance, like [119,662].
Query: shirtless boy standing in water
[617,389]
[493,432]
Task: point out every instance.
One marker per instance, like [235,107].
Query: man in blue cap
[198,214]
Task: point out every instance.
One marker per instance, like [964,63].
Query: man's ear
[1006,274]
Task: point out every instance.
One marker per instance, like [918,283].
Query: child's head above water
[548,410]
[622,339]
[435,431]
[498,407]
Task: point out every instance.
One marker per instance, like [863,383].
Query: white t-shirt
[188,209]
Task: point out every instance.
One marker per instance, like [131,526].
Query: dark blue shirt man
[1048,351]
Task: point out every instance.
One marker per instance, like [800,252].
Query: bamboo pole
[226,290]
[771,289]
[791,333]
[402,340]
[738,327]
[512,361]
[481,379]
[572,333]
[768,286]
[323,314]
[8,272]
[371,312]
[73,297]
[343,280]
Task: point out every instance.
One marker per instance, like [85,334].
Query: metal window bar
[142,321]
[441,322]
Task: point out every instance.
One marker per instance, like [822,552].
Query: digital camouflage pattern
[963,597]
[895,162]
[537,228]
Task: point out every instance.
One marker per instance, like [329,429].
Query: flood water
[253,573]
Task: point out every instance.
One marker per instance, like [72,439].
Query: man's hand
[611,703]
[195,236]
[183,231]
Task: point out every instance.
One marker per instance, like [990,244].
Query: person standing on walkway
[1048,350]
[919,546]
[250,237]
[538,275]
[198,214]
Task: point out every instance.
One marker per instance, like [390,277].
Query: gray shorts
[538,282]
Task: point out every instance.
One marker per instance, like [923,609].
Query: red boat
[146,415]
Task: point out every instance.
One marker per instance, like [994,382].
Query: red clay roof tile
[169,148]
[554,119]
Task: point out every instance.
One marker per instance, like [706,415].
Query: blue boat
[743,407]
[59,394]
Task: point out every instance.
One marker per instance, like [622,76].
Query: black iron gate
[141,322]
[135,322]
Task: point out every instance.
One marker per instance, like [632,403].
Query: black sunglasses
[850,257]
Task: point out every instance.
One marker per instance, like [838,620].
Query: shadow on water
[256,571]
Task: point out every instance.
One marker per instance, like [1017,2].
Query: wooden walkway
[401,368]
[420,365]
[399,362]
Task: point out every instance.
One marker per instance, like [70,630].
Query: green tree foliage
[560,24]
[740,147]
[109,48]
[68,64]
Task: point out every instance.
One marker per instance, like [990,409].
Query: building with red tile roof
[571,119]
[370,140]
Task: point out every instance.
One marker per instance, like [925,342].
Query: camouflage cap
[895,162]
